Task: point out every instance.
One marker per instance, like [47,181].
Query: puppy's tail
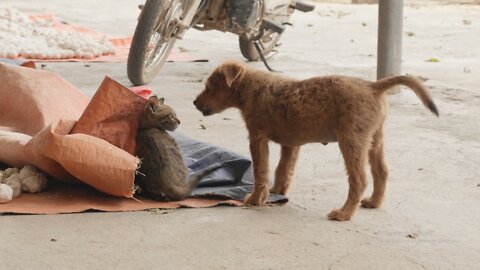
[420,90]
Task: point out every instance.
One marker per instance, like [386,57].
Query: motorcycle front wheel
[153,39]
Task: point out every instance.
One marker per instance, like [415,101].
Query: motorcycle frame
[206,15]
[190,8]
[217,18]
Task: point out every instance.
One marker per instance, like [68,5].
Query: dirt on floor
[407,2]
[431,215]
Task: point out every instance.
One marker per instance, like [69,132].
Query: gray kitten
[165,176]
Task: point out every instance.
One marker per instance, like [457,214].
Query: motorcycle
[258,23]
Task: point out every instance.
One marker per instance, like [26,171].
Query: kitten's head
[158,115]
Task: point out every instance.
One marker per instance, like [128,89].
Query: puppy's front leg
[259,152]
[285,169]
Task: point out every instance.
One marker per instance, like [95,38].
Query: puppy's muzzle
[205,111]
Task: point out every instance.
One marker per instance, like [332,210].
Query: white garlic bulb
[27,171]
[16,187]
[6,193]
[34,184]
[9,171]
[39,39]
[28,179]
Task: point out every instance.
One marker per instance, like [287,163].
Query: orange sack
[39,109]
[113,115]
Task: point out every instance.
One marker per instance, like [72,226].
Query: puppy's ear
[161,101]
[231,71]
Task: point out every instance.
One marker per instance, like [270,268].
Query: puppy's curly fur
[347,110]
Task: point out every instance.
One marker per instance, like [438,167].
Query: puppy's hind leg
[379,171]
[285,171]
[354,148]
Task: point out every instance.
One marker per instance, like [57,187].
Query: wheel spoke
[162,36]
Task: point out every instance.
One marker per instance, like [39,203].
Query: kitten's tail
[180,192]
[195,179]
[420,90]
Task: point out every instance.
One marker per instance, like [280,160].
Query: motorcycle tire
[280,14]
[249,51]
[140,71]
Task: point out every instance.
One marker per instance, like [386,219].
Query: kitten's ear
[161,101]
[153,100]
[149,109]
[232,70]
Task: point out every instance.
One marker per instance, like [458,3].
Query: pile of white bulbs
[37,39]
[14,181]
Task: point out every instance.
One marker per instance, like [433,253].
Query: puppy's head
[219,93]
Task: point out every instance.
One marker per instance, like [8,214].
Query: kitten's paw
[258,197]
[339,215]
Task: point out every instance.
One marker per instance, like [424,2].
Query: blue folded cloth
[234,179]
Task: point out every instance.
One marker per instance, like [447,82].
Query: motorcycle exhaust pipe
[268,24]
[303,7]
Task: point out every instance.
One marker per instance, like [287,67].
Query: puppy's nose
[195,102]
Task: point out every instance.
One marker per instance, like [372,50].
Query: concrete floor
[431,216]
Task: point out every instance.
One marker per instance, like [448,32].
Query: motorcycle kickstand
[259,49]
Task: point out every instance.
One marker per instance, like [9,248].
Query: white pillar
[390,33]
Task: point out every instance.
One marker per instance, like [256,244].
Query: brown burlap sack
[113,115]
[32,133]
[31,99]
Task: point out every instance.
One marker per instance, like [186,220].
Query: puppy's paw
[258,197]
[370,203]
[278,190]
[339,215]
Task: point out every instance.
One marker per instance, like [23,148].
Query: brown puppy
[295,112]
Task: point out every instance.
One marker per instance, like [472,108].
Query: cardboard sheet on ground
[37,114]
